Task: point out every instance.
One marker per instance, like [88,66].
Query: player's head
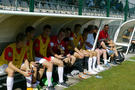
[68,32]
[106,27]
[61,33]
[20,40]
[85,32]
[47,30]
[90,29]
[29,31]
[77,28]
[131,29]
[95,29]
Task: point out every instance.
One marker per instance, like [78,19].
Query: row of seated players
[66,47]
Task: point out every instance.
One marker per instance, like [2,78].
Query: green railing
[108,8]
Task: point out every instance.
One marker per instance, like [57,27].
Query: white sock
[89,64]
[94,62]
[29,81]
[107,50]
[105,62]
[49,76]
[60,73]
[10,81]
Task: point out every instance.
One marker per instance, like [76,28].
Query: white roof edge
[122,44]
[127,22]
[55,15]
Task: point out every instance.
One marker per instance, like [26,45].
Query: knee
[61,64]
[81,57]
[42,70]
[10,73]
[94,54]
[49,65]
[35,69]
[104,51]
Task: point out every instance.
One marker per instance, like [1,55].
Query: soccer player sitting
[78,44]
[41,46]
[89,42]
[100,51]
[30,54]
[107,43]
[15,56]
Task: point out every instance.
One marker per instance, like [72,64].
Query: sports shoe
[92,72]
[64,85]
[100,68]
[96,70]
[69,75]
[50,88]
[107,65]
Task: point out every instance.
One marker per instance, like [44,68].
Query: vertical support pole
[31,7]
[80,7]
[16,5]
[95,43]
[108,8]
[126,11]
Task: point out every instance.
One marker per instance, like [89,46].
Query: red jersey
[56,44]
[36,46]
[9,53]
[103,35]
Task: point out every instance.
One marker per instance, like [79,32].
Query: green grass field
[133,58]
[121,77]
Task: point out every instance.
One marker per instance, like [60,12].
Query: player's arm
[125,37]
[27,65]
[78,51]
[52,52]
[89,45]
[11,65]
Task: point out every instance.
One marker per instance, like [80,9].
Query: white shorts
[3,68]
[41,60]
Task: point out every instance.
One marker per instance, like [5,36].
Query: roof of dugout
[13,22]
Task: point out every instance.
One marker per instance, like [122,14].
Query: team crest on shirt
[9,54]
[36,44]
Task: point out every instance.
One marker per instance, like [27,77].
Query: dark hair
[95,27]
[68,29]
[61,30]
[20,37]
[85,31]
[29,29]
[47,27]
[106,25]
[89,28]
[92,27]
[77,25]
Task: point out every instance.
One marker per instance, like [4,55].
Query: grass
[133,58]
[121,77]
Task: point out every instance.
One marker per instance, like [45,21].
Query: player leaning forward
[41,46]
[14,59]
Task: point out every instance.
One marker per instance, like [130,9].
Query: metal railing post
[108,8]
[31,7]
[80,7]
[126,10]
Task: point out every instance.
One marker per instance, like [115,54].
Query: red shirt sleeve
[8,54]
